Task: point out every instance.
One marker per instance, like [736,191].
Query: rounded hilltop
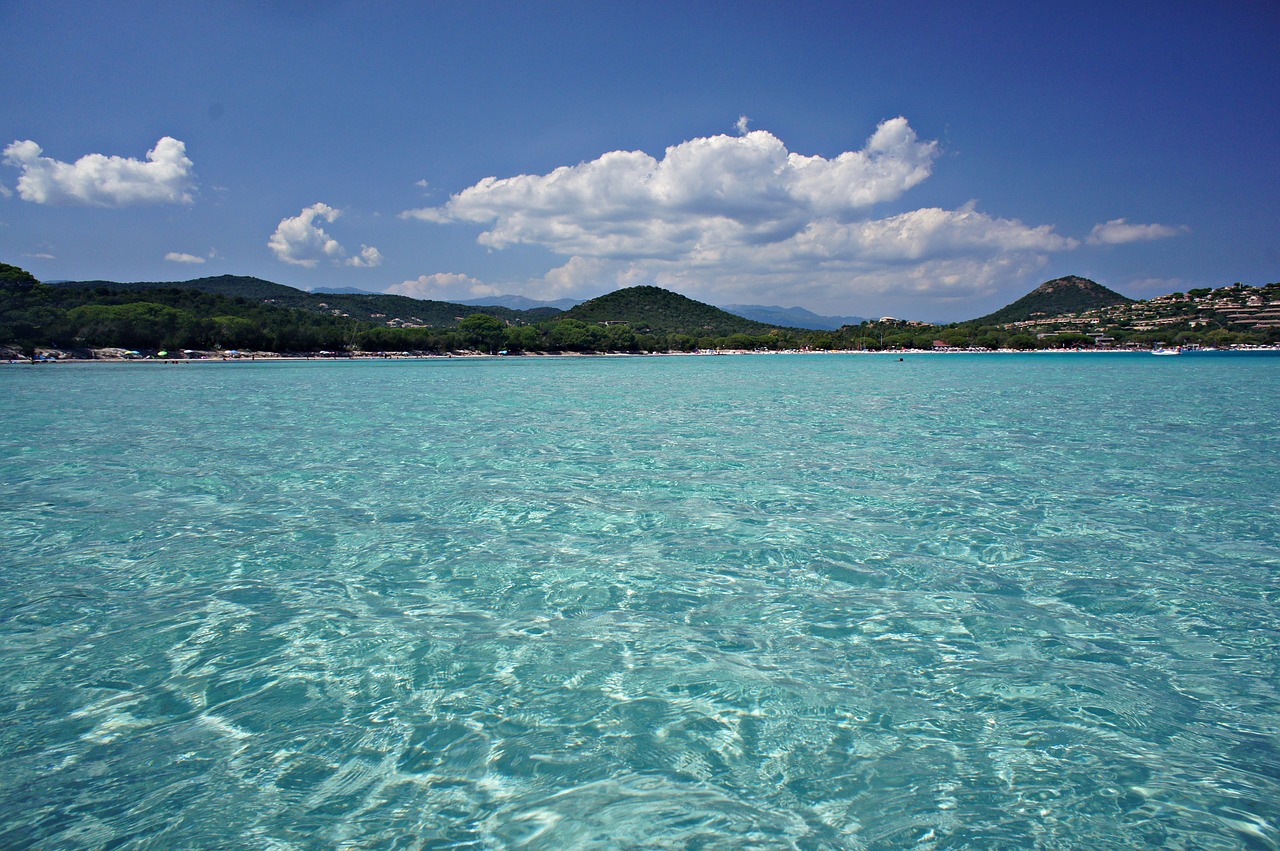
[1061,296]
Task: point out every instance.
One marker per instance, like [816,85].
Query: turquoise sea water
[720,602]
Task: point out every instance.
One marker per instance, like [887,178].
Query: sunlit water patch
[765,601]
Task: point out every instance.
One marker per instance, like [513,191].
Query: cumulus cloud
[302,241]
[366,259]
[925,234]
[814,270]
[721,189]
[444,286]
[741,218]
[98,180]
[1120,231]
[579,274]
[180,257]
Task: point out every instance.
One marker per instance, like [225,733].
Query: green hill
[382,308]
[1058,297]
[228,285]
[379,308]
[161,318]
[653,310]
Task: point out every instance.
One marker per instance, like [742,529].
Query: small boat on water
[1164,351]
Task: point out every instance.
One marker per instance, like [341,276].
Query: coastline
[118,356]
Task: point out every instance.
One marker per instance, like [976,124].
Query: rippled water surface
[718,602]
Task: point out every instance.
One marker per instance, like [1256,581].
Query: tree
[483,332]
[899,340]
[619,338]
[1022,342]
[236,332]
[573,336]
[135,325]
[523,338]
[988,340]
[1070,339]
[959,336]
[14,278]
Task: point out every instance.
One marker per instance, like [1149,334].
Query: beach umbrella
[162,354]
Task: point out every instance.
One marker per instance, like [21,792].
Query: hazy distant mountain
[344,291]
[1071,294]
[791,317]
[519,302]
[655,310]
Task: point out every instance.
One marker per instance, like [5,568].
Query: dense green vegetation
[373,307]
[161,319]
[650,310]
[13,278]
[171,318]
[229,312]
[227,285]
[1058,297]
[232,312]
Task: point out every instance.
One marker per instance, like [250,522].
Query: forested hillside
[1058,297]
[655,310]
[383,309]
[226,313]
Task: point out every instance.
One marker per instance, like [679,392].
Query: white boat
[1166,351]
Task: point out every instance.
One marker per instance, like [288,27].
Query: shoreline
[115,356]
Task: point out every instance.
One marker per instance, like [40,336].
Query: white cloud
[5,191]
[581,275]
[444,286]
[717,190]
[832,286]
[742,125]
[924,234]
[842,279]
[366,259]
[743,219]
[1120,231]
[41,256]
[98,180]
[302,241]
[180,257]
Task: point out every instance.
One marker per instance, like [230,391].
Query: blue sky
[924,160]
